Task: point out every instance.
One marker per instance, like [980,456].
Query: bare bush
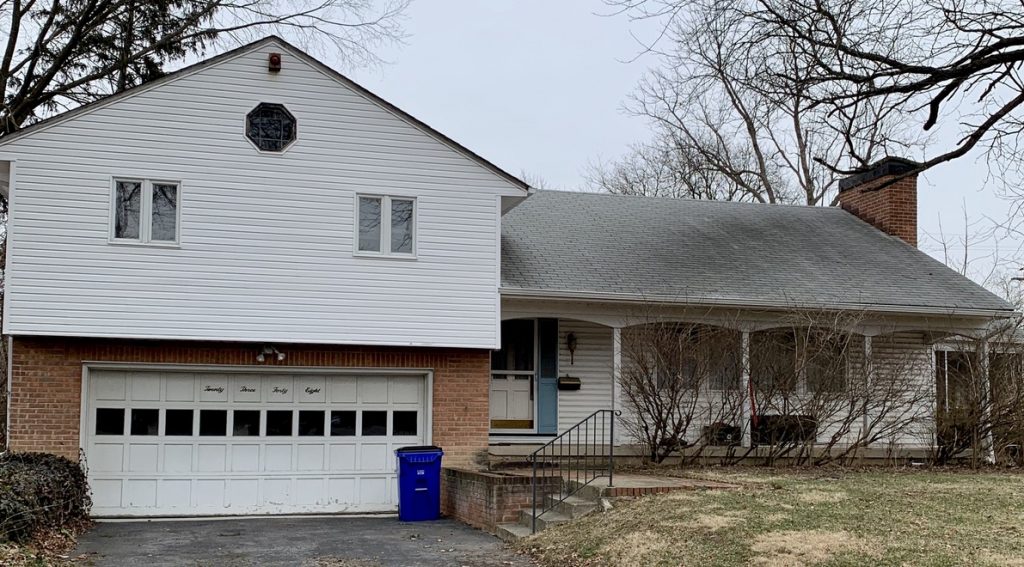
[980,409]
[813,397]
[666,369]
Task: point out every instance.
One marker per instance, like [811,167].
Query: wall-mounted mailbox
[569,383]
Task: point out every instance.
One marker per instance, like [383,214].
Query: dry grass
[833,518]
[821,497]
[811,547]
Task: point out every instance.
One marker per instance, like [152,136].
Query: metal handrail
[581,456]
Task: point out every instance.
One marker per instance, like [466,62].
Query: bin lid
[421,449]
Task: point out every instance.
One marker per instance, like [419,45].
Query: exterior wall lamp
[269,350]
[571,341]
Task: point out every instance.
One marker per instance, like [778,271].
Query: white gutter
[747,303]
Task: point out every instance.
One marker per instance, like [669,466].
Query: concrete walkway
[335,541]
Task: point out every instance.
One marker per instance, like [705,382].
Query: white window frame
[145,213]
[385,227]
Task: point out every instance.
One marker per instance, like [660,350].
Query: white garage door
[180,443]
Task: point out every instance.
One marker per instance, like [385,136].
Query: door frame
[426,373]
[533,386]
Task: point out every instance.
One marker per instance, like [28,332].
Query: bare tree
[931,62]
[717,111]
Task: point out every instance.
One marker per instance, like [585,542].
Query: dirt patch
[800,548]
[637,549]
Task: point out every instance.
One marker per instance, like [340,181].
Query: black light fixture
[570,342]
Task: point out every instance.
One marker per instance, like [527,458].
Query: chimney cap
[882,168]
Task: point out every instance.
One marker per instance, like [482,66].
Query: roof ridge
[688,200]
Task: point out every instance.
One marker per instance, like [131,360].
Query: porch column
[616,378]
[747,399]
[988,442]
[869,368]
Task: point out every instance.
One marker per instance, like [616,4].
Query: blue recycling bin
[419,483]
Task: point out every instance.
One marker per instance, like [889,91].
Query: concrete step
[544,520]
[594,491]
[512,532]
[573,506]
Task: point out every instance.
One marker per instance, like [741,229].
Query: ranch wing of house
[239,288]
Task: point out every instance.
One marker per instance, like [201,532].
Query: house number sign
[218,389]
[247,389]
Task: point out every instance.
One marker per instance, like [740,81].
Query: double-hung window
[145,211]
[386,225]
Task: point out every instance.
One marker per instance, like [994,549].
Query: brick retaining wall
[486,499]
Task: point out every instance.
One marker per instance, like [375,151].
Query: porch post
[616,375]
[869,368]
[988,443]
[747,399]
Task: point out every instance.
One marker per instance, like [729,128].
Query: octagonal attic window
[270,127]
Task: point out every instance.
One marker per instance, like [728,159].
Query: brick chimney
[892,208]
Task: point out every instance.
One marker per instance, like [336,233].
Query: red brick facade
[889,206]
[47,383]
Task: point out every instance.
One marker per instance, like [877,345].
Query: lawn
[832,518]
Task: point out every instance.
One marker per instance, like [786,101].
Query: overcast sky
[538,87]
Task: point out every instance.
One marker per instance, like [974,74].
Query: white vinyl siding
[266,249]
[592,364]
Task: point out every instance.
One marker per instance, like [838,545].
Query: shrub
[40,492]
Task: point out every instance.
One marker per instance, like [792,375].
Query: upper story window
[386,226]
[270,127]
[145,211]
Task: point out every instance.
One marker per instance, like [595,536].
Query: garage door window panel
[246,423]
[311,423]
[343,423]
[109,421]
[279,423]
[405,423]
[145,422]
[375,423]
[213,423]
[178,423]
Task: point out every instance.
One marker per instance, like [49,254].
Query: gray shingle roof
[709,252]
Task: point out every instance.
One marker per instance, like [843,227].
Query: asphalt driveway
[314,542]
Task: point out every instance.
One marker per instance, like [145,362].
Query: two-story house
[238,288]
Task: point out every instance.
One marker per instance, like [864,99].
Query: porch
[748,378]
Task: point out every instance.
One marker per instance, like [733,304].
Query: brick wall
[3,414]
[890,207]
[47,383]
[485,499]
